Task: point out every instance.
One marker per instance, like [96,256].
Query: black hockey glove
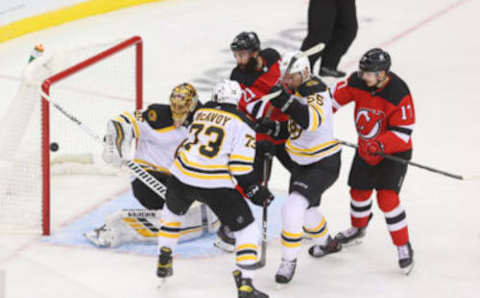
[282,101]
[275,129]
[259,195]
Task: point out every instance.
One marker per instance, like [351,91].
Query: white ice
[435,48]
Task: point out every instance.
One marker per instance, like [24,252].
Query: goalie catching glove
[118,141]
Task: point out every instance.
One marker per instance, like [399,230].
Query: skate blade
[162,283]
[224,246]
[408,270]
[352,243]
[279,286]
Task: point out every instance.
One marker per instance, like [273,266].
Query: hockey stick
[408,162]
[312,51]
[266,175]
[263,246]
[155,185]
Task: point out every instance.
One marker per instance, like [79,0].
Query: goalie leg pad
[124,226]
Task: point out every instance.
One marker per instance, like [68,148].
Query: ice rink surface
[433,47]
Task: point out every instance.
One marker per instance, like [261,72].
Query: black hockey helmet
[245,41]
[375,60]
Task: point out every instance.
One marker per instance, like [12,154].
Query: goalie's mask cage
[94,82]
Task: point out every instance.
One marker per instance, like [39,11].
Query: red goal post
[95,82]
[135,41]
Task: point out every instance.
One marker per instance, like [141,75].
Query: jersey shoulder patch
[312,86]
[395,90]
[158,116]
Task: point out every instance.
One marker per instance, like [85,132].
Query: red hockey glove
[371,147]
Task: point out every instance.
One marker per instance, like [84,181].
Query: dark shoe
[405,257]
[332,246]
[350,235]
[164,268]
[245,287]
[327,72]
[225,239]
[286,271]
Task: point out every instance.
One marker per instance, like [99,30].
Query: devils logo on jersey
[369,123]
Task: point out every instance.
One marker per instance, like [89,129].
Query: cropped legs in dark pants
[333,22]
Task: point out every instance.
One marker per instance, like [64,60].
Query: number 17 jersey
[220,145]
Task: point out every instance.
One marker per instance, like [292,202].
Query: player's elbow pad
[299,113]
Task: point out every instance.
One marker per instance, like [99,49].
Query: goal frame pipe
[45,111]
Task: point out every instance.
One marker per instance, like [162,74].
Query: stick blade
[315,49]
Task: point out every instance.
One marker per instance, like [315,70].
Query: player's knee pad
[387,199]
[293,212]
[295,206]
[168,217]
[248,235]
[360,195]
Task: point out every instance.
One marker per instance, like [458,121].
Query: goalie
[158,131]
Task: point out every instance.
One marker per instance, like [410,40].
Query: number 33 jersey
[220,145]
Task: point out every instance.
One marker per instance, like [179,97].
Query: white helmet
[227,91]
[298,65]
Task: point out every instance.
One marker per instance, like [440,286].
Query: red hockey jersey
[383,114]
[257,84]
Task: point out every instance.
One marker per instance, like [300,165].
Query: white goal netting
[94,93]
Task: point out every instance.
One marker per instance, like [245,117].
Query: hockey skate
[101,237]
[332,246]
[164,267]
[245,287]
[405,258]
[225,239]
[286,271]
[351,236]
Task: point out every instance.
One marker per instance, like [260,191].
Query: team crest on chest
[369,123]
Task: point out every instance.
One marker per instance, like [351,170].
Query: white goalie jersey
[157,138]
[220,145]
[306,146]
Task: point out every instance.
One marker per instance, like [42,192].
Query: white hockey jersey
[306,146]
[156,136]
[220,145]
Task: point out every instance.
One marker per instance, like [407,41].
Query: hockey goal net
[94,82]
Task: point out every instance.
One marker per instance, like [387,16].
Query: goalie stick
[155,185]
[408,162]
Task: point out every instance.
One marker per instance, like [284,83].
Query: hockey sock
[316,226]
[246,250]
[293,212]
[395,216]
[360,207]
[170,230]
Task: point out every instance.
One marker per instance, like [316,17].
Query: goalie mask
[227,91]
[183,100]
